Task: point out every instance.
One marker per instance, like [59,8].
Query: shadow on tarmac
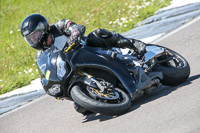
[165,90]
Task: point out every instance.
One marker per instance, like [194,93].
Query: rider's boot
[136,45]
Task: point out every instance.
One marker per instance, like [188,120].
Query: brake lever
[69,47]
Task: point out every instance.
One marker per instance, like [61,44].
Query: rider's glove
[74,40]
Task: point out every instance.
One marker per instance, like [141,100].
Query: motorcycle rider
[37,32]
[40,35]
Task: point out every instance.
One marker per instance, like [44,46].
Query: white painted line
[24,105]
[177,30]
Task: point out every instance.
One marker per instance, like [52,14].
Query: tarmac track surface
[168,110]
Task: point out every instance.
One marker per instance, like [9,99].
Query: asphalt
[168,110]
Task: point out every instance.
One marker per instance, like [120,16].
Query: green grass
[17,59]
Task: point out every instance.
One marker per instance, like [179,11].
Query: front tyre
[116,107]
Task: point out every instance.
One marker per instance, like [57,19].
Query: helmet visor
[33,38]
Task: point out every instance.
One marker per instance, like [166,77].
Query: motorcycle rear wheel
[175,71]
[80,95]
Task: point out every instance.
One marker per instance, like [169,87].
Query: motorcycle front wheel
[109,106]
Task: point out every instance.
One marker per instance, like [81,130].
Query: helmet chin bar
[44,41]
[42,45]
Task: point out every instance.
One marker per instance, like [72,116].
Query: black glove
[75,38]
[73,41]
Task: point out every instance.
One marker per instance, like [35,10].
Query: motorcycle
[102,83]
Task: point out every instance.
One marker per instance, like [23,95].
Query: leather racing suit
[97,38]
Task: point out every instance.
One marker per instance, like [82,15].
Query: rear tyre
[175,71]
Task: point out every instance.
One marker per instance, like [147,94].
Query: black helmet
[34,30]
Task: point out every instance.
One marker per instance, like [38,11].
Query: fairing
[90,57]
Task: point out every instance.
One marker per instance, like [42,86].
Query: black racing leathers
[68,27]
[73,31]
[97,38]
[106,39]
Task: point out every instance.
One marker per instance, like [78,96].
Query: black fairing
[81,57]
[96,58]
[47,61]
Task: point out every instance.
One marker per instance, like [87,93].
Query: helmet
[34,30]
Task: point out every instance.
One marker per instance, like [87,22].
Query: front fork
[91,81]
[98,88]
[151,82]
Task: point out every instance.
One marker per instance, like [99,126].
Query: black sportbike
[105,80]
